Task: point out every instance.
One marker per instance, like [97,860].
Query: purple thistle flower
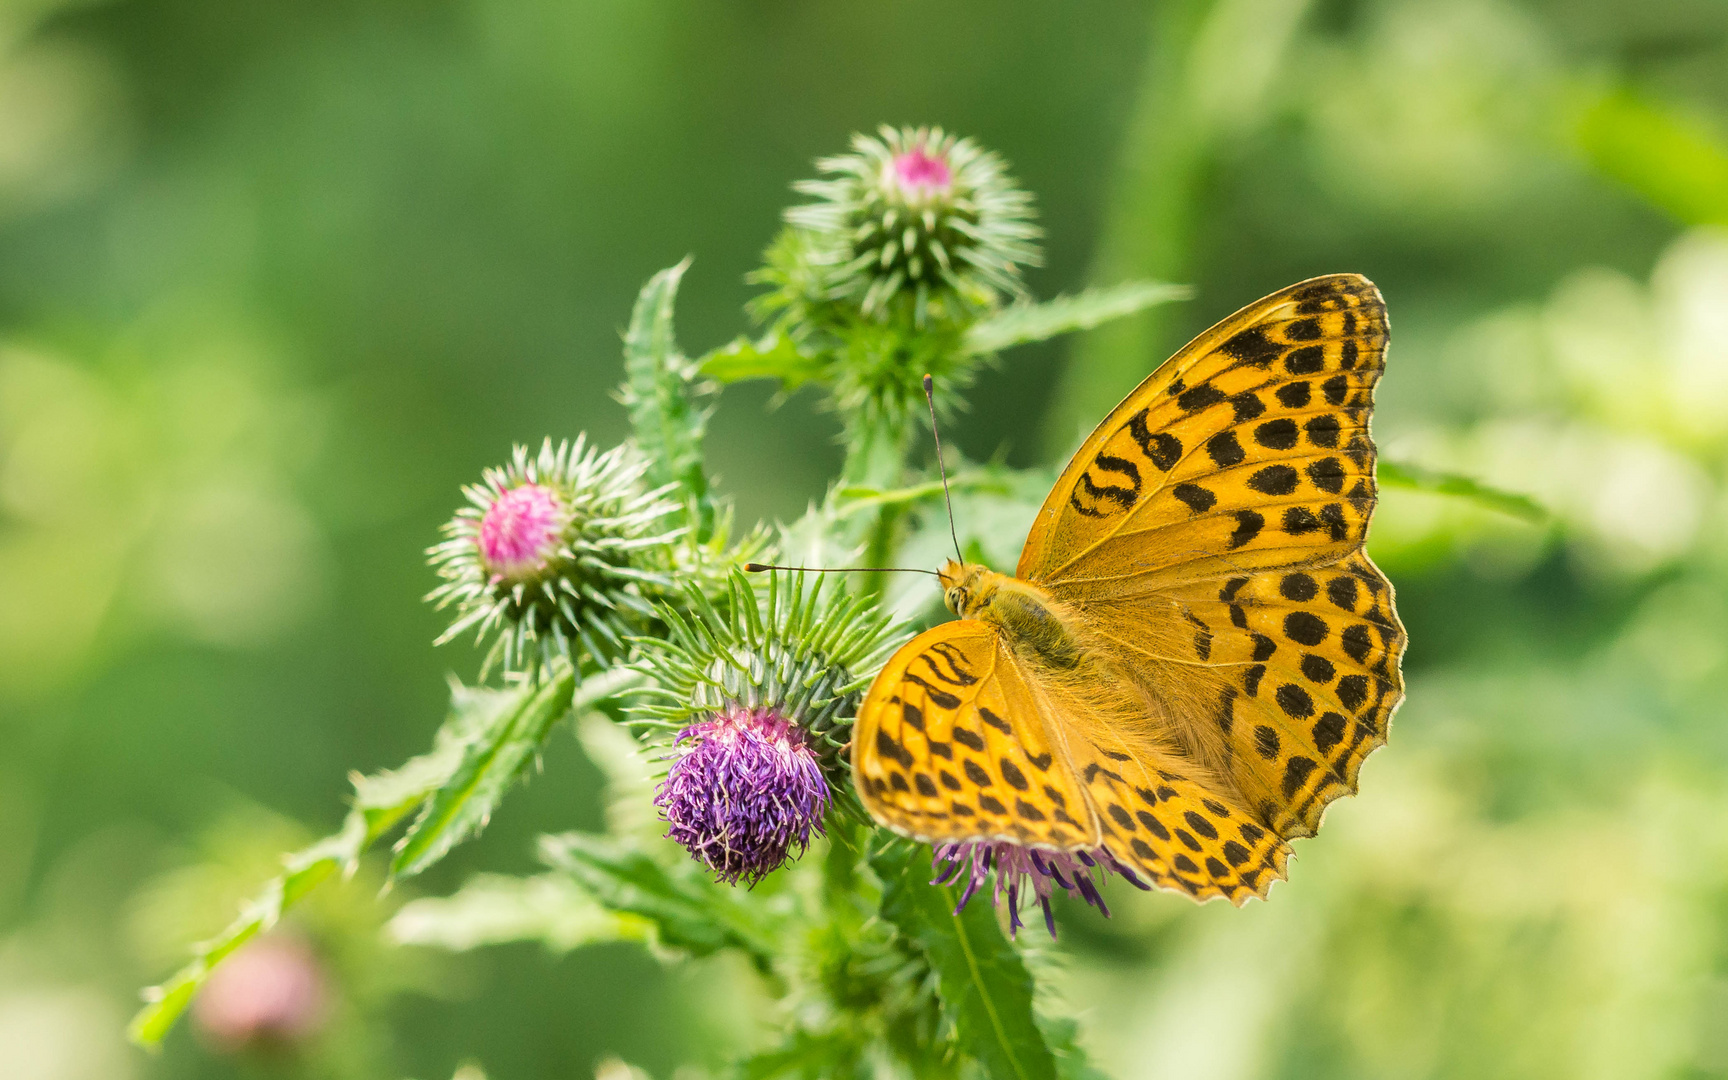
[1017,866]
[744,790]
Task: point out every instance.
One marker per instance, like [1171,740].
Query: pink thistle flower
[521,531]
[921,174]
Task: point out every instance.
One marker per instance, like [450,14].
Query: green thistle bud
[917,218]
[561,553]
[760,693]
[792,647]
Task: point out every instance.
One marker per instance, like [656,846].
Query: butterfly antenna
[930,400]
[757,568]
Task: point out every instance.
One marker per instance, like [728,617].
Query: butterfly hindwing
[950,744]
[1248,449]
[1173,829]
[1310,662]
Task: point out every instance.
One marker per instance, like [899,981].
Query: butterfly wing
[1172,826]
[1282,681]
[951,744]
[1188,529]
[1247,450]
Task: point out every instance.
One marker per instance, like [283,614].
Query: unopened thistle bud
[917,218]
[759,689]
[559,553]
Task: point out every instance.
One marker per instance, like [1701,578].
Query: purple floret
[744,790]
[1016,866]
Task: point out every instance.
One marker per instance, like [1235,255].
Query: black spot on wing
[1328,731]
[1306,360]
[1195,497]
[1327,475]
[995,721]
[1305,628]
[1294,395]
[1161,448]
[1296,774]
[1275,480]
[1342,592]
[1357,642]
[1323,430]
[942,698]
[1247,407]
[1252,346]
[1224,450]
[1200,397]
[1279,434]
[1248,526]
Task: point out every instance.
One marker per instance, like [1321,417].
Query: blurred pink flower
[271,992]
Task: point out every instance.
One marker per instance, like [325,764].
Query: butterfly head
[966,587]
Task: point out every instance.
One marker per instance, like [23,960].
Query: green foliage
[687,911]
[985,989]
[1024,323]
[478,754]
[1417,478]
[664,399]
[1676,161]
[509,727]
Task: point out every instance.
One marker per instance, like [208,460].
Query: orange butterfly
[1194,655]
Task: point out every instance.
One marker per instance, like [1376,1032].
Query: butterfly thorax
[1032,622]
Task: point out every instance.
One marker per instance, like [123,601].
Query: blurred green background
[276,279]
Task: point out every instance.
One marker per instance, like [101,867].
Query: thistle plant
[607,585]
[557,553]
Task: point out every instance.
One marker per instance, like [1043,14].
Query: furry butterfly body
[1194,654]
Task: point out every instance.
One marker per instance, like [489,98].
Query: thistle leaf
[509,728]
[687,910]
[1417,478]
[491,909]
[774,356]
[984,986]
[662,392]
[381,802]
[1022,323]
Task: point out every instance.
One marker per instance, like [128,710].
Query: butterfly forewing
[1248,449]
[950,744]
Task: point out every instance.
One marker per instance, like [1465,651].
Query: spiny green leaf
[775,356]
[510,734]
[304,871]
[984,986]
[661,391]
[1019,324]
[492,909]
[381,802]
[1415,477]
[688,911]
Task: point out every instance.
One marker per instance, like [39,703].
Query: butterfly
[1194,655]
